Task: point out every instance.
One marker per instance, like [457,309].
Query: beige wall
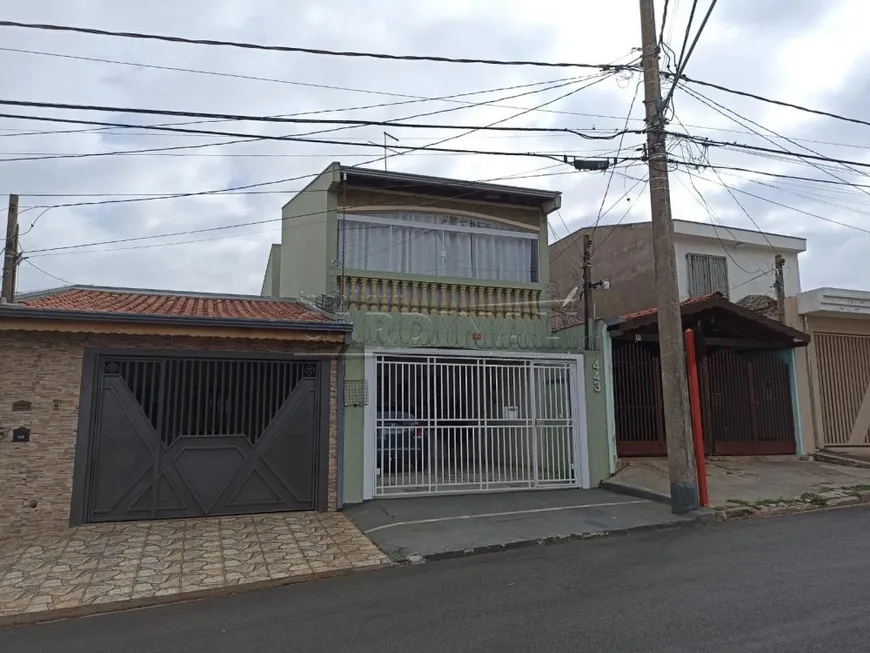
[622,255]
[832,410]
[45,369]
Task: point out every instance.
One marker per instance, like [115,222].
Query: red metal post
[697,424]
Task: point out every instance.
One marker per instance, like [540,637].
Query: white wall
[750,266]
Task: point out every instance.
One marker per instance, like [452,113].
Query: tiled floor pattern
[117,562]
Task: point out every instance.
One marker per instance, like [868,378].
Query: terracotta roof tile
[155,303]
[653,311]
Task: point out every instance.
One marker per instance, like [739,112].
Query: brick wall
[45,369]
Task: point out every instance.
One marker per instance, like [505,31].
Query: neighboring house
[747,377]
[454,380]
[835,370]
[122,404]
[710,258]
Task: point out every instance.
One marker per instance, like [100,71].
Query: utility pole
[587,288]
[10,253]
[675,393]
[779,287]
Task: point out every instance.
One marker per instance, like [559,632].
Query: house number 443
[596,375]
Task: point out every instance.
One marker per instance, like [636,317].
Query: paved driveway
[94,567]
[442,526]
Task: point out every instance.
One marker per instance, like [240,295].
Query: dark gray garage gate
[164,436]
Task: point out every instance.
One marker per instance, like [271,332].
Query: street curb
[836,459]
[31,618]
[630,490]
[558,539]
[746,512]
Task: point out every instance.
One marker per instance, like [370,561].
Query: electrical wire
[729,113]
[757,148]
[681,64]
[791,208]
[217,228]
[496,123]
[48,274]
[780,103]
[284,48]
[618,152]
[664,21]
[311,121]
[623,216]
[279,138]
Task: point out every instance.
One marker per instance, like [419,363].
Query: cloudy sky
[803,51]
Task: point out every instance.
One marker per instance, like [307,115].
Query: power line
[48,274]
[217,228]
[729,113]
[267,137]
[681,64]
[780,103]
[619,149]
[494,125]
[791,208]
[768,174]
[391,122]
[664,21]
[757,148]
[317,51]
[624,215]
[305,121]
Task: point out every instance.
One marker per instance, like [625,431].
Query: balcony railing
[371,293]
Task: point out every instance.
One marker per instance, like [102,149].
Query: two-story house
[453,379]
[747,362]
[739,263]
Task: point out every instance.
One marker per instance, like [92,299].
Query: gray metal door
[192,436]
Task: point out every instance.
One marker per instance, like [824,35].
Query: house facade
[738,263]
[835,369]
[454,380]
[129,405]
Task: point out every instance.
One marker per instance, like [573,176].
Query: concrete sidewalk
[750,480]
[443,526]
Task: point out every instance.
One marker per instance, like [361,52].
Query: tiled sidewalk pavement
[109,563]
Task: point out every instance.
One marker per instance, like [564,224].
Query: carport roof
[127,304]
[731,317]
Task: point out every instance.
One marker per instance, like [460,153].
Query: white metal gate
[450,423]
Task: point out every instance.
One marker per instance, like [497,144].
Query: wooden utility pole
[779,287]
[587,289]
[10,252]
[678,417]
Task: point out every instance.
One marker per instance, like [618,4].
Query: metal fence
[466,424]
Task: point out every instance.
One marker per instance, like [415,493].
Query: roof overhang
[24,313]
[546,201]
[834,302]
[715,313]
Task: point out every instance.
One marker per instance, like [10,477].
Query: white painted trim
[476,353]
[381,208]
[609,398]
[581,428]
[835,302]
[369,422]
[433,226]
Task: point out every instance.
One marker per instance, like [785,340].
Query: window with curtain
[438,245]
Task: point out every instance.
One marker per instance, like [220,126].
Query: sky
[801,51]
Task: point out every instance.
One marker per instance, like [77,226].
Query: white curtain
[424,250]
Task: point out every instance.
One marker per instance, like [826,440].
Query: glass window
[437,245]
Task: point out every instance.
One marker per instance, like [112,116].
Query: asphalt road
[796,583]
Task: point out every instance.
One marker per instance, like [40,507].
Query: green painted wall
[455,331]
[354,421]
[272,279]
[307,254]
[599,422]
[599,412]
